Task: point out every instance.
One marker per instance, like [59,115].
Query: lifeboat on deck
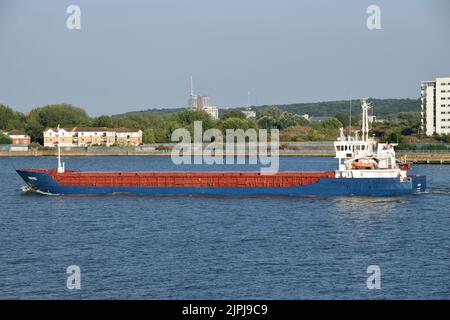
[363,165]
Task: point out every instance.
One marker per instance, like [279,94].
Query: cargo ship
[365,168]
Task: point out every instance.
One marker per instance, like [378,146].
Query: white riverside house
[435,97]
[89,136]
[128,136]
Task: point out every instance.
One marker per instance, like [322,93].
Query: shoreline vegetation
[393,121]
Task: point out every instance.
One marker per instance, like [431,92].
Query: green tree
[235,113]
[148,135]
[266,122]
[331,123]
[162,135]
[104,121]
[64,115]
[288,119]
[237,123]
[270,118]
[132,122]
[9,119]
[35,130]
[344,118]
[6,114]
[394,137]
[5,139]
[187,118]
[276,118]
[164,129]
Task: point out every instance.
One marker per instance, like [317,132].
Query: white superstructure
[360,156]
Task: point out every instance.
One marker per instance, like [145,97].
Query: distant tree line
[158,127]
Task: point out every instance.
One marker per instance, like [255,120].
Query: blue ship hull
[44,183]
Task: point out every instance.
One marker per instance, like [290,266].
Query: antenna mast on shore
[192,88]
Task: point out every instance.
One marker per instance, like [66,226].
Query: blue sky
[134,55]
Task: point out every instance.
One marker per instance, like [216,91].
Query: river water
[132,247]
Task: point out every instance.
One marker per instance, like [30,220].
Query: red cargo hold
[187,179]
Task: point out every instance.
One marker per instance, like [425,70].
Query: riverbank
[413,157]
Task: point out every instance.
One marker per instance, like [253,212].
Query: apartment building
[435,97]
[89,136]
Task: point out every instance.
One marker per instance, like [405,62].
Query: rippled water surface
[219,247]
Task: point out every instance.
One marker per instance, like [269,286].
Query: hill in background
[382,108]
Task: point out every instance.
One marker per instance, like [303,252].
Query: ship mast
[365,119]
[350,120]
[60,168]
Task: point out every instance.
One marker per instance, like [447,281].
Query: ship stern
[419,183]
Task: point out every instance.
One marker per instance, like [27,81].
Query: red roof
[92,129]
[95,129]
[17,133]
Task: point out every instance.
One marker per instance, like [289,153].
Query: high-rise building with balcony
[435,97]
